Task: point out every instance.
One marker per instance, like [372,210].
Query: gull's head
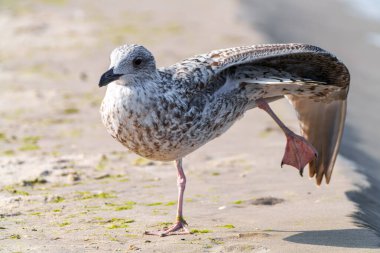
[129,64]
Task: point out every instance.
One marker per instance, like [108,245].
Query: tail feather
[322,125]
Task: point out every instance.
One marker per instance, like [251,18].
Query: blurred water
[351,30]
[374,39]
[365,8]
[369,9]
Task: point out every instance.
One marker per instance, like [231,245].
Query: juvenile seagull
[166,113]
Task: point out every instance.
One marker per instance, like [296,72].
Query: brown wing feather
[202,68]
[322,125]
[321,118]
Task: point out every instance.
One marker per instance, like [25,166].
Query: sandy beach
[67,186]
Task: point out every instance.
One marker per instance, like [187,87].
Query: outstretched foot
[298,152]
[180,228]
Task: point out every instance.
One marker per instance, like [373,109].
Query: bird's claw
[173,230]
[298,152]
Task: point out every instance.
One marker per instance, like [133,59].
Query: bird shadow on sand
[365,197]
[346,238]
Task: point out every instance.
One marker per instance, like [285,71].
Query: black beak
[108,77]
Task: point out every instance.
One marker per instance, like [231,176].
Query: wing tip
[323,173]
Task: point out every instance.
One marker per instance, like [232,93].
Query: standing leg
[180,222]
[181,183]
[298,151]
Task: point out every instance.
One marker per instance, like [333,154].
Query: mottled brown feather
[321,119]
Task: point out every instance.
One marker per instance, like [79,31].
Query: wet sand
[69,187]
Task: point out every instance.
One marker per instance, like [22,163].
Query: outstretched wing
[322,119]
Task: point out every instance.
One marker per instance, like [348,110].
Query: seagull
[166,113]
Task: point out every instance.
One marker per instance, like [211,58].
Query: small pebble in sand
[266,201]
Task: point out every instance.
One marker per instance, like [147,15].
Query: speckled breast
[159,131]
[167,128]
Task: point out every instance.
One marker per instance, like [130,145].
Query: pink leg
[298,151]
[180,222]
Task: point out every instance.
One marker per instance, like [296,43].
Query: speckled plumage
[166,113]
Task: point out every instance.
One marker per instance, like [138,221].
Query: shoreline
[71,188]
[335,34]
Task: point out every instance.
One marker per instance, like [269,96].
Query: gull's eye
[137,62]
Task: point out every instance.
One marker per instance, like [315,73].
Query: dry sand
[68,187]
